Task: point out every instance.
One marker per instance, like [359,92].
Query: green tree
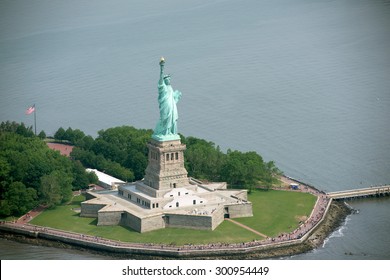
[5,169]
[243,169]
[233,169]
[92,178]
[81,177]
[19,128]
[25,131]
[50,191]
[19,199]
[271,174]
[137,162]
[56,188]
[42,135]
[60,134]
[203,159]
[118,171]
[86,142]
[29,169]
[74,136]
[119,151]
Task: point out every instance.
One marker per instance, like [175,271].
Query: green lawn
[274,212]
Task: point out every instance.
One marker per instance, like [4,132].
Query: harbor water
[304,83]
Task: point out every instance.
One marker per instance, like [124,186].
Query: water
[362,236]
[11,250]
[303,83]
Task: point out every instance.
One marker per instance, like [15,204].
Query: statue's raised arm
[162,62]
[166,128]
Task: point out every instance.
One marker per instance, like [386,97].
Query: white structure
[105,180]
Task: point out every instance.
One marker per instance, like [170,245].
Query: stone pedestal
[165,169]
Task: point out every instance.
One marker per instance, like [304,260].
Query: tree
[233,169]
[30,172]
[118,171]
[270,174]
[243,169]
[50,191]
[42,135]
[15,127]
[5,169]
[203,159]
[91,160]
[56,188]
[119,151]
[92,178]
[137,162]
[19,199]
[60,134]
[86,142]
[81,178]
[74,136]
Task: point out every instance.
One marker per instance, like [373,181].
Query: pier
[359,193]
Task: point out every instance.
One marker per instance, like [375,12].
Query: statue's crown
[167,76]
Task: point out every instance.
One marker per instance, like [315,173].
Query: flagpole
[35,120]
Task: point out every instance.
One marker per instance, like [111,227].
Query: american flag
[30,110]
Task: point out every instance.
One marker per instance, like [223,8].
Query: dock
[376,191]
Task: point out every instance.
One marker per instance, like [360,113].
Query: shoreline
[327,215]
[333,219]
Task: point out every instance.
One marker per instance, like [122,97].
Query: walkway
[30,215]
[372,191]
[246,227]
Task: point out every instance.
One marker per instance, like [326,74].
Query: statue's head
[167,79]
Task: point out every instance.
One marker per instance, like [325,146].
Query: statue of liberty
[166,128]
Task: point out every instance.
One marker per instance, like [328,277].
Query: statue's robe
[167,99]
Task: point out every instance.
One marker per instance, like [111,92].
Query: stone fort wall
[109,218]
[240,210]
[90,210]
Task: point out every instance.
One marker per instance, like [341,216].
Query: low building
[106,181]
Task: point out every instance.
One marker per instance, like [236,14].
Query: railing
[372,191]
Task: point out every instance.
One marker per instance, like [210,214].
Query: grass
[274,212]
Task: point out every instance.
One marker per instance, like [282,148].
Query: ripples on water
[11,250]
[304,83]
[362,236]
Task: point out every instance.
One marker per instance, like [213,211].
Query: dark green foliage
[56,188]
[42,135]
[91,160]
[203,159]
[122,153]
[18,199]
[18,128]
[243,169]
[119,151]
[73,136]
[31,173]
[60,134]
[82,179]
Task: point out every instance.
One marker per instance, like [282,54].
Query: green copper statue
[166,128]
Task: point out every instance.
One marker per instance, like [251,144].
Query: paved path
[30,215]
[246,227]
[371,191]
